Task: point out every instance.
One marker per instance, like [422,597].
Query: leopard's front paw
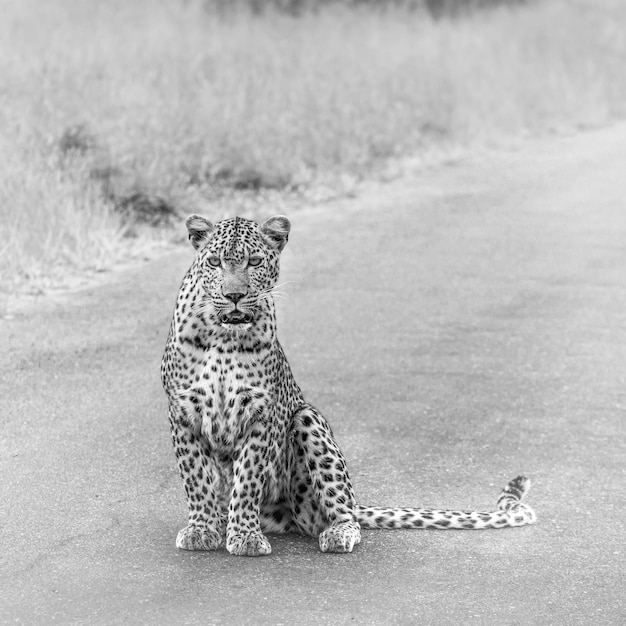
[198,538]
[248,544]
[341,537]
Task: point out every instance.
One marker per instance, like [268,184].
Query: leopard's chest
[217,397]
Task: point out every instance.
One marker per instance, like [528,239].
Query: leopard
[254,456]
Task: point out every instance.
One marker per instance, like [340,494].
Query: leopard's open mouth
[236,317]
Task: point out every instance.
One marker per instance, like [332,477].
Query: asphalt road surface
[457,328]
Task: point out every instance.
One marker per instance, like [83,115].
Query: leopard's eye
[214,261]
[253,261]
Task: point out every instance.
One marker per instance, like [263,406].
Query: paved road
[458,328]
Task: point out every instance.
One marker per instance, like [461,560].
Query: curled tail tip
[519,486]
[510,501]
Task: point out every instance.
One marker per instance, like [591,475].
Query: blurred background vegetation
[117,114]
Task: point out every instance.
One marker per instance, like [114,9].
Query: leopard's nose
[234,297]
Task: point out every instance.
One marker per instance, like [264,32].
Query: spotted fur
[253,455]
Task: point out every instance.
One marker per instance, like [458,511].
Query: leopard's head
[238,265]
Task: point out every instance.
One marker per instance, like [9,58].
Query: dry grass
[177,102]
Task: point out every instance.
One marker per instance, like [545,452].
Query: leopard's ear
[199,229]
[275,231]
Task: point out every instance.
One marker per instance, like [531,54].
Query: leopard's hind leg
[321,495]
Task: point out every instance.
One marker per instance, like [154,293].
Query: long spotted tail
[511,512]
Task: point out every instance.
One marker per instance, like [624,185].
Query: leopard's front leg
[206,525]
[254,458]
